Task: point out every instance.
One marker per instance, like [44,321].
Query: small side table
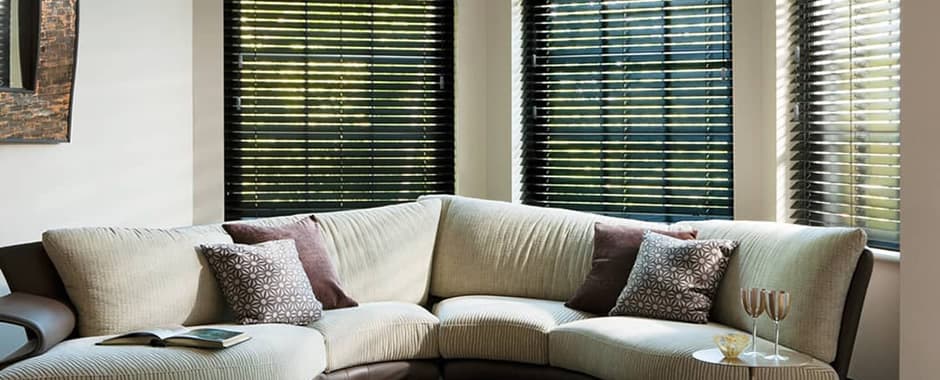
[713,356]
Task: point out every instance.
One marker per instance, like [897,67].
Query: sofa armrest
[47,322]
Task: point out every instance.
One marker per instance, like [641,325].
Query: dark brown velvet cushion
[313,255]
[615,251]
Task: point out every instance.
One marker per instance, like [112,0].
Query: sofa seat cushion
[273,352]
[631,348]
[500,328]
[377,332]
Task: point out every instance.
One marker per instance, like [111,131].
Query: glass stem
[777,339]
[754,337]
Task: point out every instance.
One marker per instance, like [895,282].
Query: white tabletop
[714,356]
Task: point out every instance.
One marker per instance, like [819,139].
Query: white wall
[130,160]
[208,111]
[920,179]
[470,93]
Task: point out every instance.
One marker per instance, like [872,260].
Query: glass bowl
[732,345]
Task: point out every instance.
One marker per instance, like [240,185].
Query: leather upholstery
[47,322]
[496,370]
[400,370]
[28,269]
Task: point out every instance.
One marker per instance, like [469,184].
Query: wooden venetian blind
[627,107]
[336,104]
[846,116]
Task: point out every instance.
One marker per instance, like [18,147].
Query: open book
[180,336]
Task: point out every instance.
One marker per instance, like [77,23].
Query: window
[5,51]
[846,116]
[627,107]
[333,105]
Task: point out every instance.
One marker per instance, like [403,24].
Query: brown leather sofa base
[401,370]
[497,370]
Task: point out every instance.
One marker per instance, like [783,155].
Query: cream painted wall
[130,161]
[920,179]
[470,90]
[208,108]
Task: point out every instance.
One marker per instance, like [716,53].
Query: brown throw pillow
[615,250]
[312,252]
[264,283]
[675,279]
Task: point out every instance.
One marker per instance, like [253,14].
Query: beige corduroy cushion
[499,248]
[377,332]
[500,328]
[276,352]
[122,279]
[393,243]
[630,348]
[814,264]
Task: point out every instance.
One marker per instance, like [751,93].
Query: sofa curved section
[628,348]
[274,352]
[500,328]
[490,247]
[377,332]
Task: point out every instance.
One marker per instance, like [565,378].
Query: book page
[158,332]
[209,334]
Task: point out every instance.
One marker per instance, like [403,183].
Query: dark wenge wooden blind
[627,107]
[846,146]
[5,56]
[336,104]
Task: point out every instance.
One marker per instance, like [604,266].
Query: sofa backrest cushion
[121,279]
[499,248]
[814,264]
[382,253]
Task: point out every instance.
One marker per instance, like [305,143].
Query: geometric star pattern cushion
[674,279]
[615,251]
[264,283]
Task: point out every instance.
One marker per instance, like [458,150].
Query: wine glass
[755,302]
[778,307]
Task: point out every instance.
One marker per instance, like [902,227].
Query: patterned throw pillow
[264,283]
[313,256]
[615,251]
[674,279]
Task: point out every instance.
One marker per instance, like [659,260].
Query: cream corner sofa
[448,286]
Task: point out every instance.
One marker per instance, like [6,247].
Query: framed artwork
[38,44]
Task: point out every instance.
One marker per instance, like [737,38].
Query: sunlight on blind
[334,105]
[627,107]
[846,144]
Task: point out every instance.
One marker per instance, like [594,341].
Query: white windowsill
[886,255]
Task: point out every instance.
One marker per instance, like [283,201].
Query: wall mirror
[38,43]
[19,44]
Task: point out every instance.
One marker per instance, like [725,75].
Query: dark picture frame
[44,114]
